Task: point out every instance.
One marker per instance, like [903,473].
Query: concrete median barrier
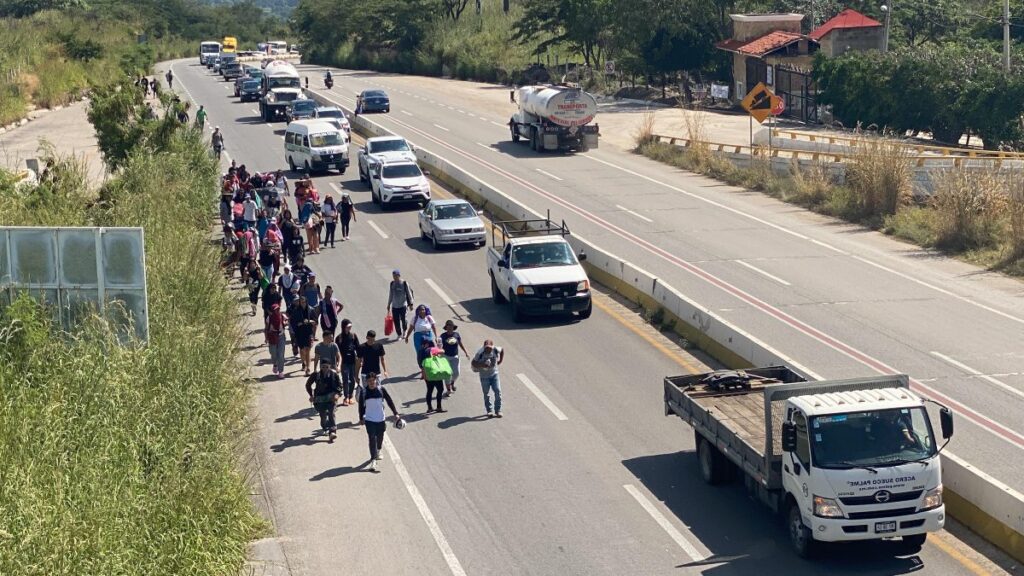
[977,500]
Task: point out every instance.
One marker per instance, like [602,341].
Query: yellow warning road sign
[760,102]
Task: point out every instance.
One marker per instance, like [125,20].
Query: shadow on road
[340,471]
[306,413]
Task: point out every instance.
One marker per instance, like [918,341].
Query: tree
[583,25]
[454,8]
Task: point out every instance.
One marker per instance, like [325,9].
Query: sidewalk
[67,129]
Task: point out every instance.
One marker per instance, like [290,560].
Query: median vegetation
[126,459]
[975,214]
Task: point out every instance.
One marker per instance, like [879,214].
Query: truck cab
[534,269]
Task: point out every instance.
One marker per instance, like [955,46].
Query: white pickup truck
[534,269]
[381,149]
[841,460]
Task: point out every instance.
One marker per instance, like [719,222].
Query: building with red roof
[849,30]
[759,43]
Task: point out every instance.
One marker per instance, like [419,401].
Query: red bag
[389,325]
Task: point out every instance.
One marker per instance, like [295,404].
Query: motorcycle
[329,82]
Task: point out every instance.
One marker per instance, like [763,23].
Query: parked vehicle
[372,101]
[249,91]
[451,221]
[335,116]
[300,109]
[383,149]
[533,268]
[316,145]
[842,460]
[555,117]
[281,84]
[208,50]
[398,182]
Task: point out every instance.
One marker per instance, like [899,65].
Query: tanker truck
[280,84]
[555,117]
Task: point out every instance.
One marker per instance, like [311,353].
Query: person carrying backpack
[434,370]
[371,413]
[325,397]
[399,301]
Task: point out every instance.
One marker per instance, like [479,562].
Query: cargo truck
[281,85]
[555,117]
[840,460]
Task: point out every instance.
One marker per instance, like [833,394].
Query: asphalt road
[592,480]
[836,299]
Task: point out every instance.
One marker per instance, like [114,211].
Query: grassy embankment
[126,459]
[52,57]
[976,215]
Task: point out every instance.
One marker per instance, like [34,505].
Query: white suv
[383,149]
[398,182]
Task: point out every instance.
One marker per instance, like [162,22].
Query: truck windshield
[541,255]
[283,82]
[389,146]
[325,139]
[402,171]
[875,439]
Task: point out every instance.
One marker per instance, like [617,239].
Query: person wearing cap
[347,211]
[399,301]
[451,342]
[486,362]
[371,413]
[276,339]
[425,351]
[325,397]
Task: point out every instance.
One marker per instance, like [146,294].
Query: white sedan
[452,221]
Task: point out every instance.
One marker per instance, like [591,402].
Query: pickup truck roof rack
[526,228]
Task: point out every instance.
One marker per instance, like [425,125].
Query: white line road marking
[762,272]
[406,113]
[488,147]
[498,125]
[336,187]
[441,127]
[542,397]
[255,110]
[444,297]
[269,124]
[421,505]
[662,521]
[548,174]
[979,374]
[460,111]
[282,136]
[640,216]
[377,228]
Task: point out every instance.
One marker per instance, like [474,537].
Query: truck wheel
[714,468]
[495,293]
[913,544]
[515,134]
[799,535]
[585,313]
[517,312]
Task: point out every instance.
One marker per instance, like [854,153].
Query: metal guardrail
[919,148]
[919,160]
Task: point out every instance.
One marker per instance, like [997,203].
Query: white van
[315,145]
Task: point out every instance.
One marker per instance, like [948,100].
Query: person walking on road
[327,352]
[325,397]
[254,284]
[330,213]
[329,308]
[422,327]
[303,320]
[281,182]
[170,79]
[347,210]
[370,356]
[348,343]
[430,372]
[371,414]
[451,343]
[289,287]
[201,118]
[271,297]
[217,141]
[399,301]
[486,362]
[276,339]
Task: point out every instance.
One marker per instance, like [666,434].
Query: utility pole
[887,8]
[1006,36]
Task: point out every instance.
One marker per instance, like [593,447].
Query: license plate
[884,527]
[558,306]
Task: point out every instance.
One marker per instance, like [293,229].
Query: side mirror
[788,437]
[946,422]
[582,256]
[502,263]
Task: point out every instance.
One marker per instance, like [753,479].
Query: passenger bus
[208,49]
[230,44]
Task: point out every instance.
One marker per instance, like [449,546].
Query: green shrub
[912,223]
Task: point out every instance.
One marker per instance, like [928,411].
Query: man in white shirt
[249,208]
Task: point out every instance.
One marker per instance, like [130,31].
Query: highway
[836,299]
[585,474]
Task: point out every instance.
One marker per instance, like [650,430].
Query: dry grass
[880,176]
[644,133]
[811,185]
[1015,214]
[970,208]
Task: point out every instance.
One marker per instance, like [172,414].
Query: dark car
[373,101]
[231,71]
[250,91]
[300,109]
